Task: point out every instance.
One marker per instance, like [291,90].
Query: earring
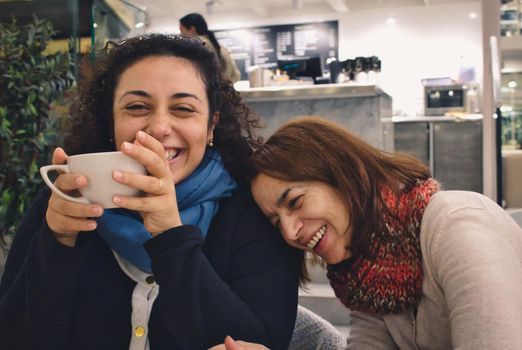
[211,143]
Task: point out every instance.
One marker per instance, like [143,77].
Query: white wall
[426,42]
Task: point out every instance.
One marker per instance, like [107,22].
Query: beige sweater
[472,288]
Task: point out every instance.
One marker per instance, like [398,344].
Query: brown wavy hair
[91,127]
[316,149]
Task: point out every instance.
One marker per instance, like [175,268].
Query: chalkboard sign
[265,45]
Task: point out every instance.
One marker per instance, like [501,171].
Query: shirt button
[139,331]
[149,279]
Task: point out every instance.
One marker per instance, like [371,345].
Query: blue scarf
[197,197]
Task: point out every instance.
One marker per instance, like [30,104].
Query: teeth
[171,153]
[316,238]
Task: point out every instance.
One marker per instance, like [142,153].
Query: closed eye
[295,202]
[183,109]
[136,107]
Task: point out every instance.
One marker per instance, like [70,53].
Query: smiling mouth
[316,238]
[171,153]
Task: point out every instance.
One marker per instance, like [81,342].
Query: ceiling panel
[168,11]
[179,7]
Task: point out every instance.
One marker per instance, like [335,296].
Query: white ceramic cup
[98,169]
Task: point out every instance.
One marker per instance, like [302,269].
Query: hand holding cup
[91,175]
[158,208]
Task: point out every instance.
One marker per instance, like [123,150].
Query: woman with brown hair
[420,268]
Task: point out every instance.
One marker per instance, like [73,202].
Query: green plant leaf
[33,109]
[30,81]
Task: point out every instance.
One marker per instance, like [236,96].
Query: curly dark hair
[91,127]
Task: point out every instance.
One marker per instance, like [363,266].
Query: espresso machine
[357,69]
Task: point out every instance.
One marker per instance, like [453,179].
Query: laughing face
[310,215]
[164,97]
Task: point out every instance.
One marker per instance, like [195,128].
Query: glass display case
[511,109]
[115,20]
[511,26]
[510,17]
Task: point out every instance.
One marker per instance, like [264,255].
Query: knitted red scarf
[389,279]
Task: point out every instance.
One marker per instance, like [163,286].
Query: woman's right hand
[65,218]
[231,344]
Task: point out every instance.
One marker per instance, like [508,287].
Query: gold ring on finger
[161,186]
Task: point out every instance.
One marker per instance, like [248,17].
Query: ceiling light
[338,6]
[512,84]
[139,25]
[211,6]
[472,15]
[391,21]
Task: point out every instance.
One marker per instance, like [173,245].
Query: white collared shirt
[143,297]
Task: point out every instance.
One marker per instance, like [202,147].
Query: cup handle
[65,168]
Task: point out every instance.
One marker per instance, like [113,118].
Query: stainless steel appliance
[441,99]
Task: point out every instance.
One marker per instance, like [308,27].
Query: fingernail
[116,200]
[96,210]
[79,180]
[141,135]
[118,175]
[127,146]
[92,225]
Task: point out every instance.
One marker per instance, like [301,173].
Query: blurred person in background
[194,24]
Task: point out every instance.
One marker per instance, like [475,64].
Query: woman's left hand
[158,208]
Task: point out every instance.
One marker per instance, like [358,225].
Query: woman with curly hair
[180,268]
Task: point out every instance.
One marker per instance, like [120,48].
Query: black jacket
[241,280]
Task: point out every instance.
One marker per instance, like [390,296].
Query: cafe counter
[363,108]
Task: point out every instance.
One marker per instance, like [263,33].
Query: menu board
[263,46]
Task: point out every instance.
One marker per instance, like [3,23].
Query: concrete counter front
[364,109]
